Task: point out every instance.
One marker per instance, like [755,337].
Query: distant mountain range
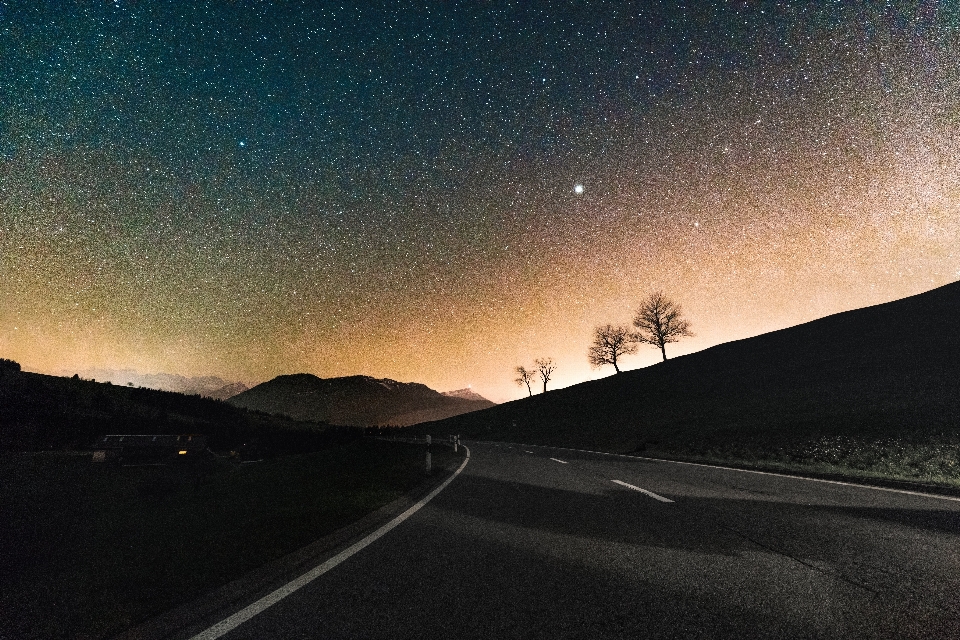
[357,400]
[465,394]
[207,386]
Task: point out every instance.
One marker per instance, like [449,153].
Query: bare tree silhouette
[659,322]
[545,367]
[525,377]
[609,344]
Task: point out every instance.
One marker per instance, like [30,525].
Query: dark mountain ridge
[354,400]
[889,369]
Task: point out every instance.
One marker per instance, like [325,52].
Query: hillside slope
[873,372]
[354,400]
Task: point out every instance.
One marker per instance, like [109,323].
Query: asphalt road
[542,543]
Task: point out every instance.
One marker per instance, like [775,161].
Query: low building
[149,448]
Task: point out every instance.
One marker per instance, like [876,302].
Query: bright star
[578,189]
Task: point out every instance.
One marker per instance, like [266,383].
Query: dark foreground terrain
[86,550]
[874,391]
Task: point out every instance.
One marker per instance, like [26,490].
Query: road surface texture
[533,542]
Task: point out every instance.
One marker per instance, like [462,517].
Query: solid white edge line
[234,621]
[762,473]
[560,461]
[644,491]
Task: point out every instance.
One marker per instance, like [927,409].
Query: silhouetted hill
[890,369]
[48,412]
[354,400]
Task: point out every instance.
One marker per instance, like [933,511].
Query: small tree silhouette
[545,367]
[658,322]
[609,344]
[525,377]
[9,365]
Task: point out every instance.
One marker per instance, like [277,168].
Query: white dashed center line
[649,493]
[560,461]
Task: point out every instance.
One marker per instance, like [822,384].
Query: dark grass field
[870,393]
[87,550]
[928,461]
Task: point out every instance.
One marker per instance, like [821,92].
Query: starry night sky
[247,189]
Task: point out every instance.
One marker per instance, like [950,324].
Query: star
[578,189]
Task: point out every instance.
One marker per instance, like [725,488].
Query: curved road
[548,543]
